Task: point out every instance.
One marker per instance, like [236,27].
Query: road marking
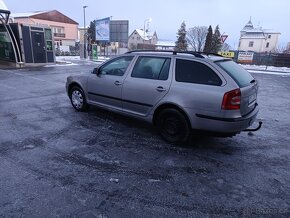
[19,74]
[18,90]
[41,80]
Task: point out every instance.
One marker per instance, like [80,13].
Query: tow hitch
[256,129]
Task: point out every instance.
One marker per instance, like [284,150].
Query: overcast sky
[167,15]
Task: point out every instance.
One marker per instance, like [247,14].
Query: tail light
[232,100]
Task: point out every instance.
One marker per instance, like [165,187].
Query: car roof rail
[200,54]
[210,53]
[196,54]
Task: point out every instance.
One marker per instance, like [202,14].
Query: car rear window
[189,71]
[242,77]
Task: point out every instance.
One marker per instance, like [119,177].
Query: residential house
[65,30]
[165,45]
[141,39]
[258,39]
[81,32]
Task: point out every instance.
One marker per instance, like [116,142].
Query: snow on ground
[269,72]
[67,58]
[266,68]
[281,71]
[61,64]
[74,60]
[77,58]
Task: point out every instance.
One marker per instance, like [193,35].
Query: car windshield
[242,77]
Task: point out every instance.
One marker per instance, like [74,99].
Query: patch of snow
[77,58]
[66,64]
[269,72]
[166,43]
[154,180]
[27,14]
[65,58]
[114,180]
[266,68]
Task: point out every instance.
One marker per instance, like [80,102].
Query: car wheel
[173,126]
[78,99]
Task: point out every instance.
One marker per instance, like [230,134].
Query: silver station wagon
[176,92]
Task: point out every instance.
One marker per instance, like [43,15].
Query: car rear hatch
[248,85]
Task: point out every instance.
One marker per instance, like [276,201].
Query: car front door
[105,87]
[148,83]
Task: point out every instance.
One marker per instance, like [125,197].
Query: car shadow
[198,142]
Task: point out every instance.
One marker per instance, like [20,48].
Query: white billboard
[245,57]
[103,29]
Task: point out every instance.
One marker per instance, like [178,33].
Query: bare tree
[281,49]
[225,47]
[196,37]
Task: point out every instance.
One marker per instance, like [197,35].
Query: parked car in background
[176,92]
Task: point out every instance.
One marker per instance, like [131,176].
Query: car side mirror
[95,71]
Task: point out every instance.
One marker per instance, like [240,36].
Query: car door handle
[160,89]
[117,83]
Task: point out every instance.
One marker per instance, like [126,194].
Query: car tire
[173,126]
[78,99]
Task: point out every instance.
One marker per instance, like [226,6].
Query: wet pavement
[56,162]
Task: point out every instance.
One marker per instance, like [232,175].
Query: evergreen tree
[92,32]
[208,41]
[181,43]
[216,41]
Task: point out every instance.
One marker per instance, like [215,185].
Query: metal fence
[268,59]
[276,60]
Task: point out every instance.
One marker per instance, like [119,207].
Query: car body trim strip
[218,118]
[119,99]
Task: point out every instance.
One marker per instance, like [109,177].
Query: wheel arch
[73,84]
[167,106]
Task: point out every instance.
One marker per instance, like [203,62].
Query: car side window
[195,72]
[116,67]
[156,68]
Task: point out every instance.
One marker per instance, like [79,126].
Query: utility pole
[85,42]
[147,20]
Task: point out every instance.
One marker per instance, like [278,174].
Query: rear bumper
[226,125]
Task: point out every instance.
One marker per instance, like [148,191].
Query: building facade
[140,39]
[165,45]
[65,30]
[81,32]
[258,39]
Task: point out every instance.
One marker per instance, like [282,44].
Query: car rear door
[198,86]
[147,84]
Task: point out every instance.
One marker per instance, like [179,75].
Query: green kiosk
[23,45]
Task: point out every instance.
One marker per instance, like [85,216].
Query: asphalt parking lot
[56,162]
